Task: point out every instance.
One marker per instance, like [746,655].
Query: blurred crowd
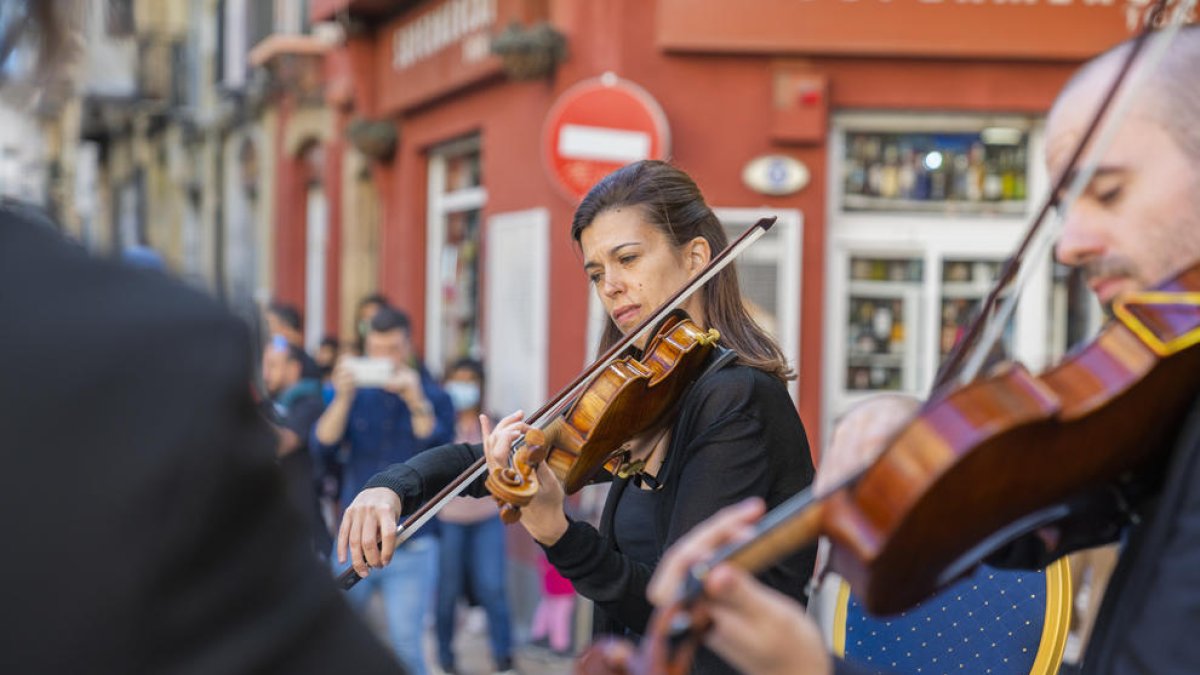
[354,407]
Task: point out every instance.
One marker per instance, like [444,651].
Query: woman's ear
[696,254]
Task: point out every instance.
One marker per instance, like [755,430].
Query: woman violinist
[1136,223]
[644,231]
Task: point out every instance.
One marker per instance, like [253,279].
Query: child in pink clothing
[552,619]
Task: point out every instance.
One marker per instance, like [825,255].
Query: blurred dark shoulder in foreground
[146,521]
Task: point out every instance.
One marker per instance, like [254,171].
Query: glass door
[965,282]
[882,324]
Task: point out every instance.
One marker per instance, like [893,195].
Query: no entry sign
[598,126]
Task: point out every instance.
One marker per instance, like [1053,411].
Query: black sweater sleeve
[422,476]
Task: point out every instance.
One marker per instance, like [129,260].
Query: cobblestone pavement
[472,652]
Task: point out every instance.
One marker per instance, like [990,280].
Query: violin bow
[429,509]
[969,356]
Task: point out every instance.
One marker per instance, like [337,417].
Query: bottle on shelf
[1008,175]
[1019,173]
[889,180]
[993,185]
[908,172]
[976,172]
[874,166]
[856,171]
[896,342]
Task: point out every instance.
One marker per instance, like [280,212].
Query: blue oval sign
[775,175]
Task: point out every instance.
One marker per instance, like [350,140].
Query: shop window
[981,172]
[456,200]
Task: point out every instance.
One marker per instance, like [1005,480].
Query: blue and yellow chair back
[994,622]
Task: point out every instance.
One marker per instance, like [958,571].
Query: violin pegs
[536,454]
[509,514]
[535,437]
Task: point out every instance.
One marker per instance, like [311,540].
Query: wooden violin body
[990,461]
[627,398]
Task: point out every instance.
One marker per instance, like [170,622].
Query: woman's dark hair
[670,200]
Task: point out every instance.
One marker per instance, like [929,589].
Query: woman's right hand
[368,530]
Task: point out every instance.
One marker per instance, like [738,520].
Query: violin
[979,465]
[628,398]
[624,393]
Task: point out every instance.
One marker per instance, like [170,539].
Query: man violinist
[1136,224]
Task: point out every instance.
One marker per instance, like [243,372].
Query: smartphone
[370,372]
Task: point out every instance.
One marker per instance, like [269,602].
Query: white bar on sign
[603,144]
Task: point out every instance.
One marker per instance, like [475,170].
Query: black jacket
[146,527]
[1151,610]
[736,435]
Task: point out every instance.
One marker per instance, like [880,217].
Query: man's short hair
[388,319]
[373,299]
[288,314]
[1176,102]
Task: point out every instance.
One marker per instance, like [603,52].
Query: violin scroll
[514,486]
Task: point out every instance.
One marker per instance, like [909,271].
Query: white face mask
[464,395]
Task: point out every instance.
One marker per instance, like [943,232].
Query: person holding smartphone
[371,424]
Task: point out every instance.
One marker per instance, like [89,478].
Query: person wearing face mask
[643,231]
[472,547]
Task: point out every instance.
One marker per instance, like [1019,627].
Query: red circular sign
[598,126]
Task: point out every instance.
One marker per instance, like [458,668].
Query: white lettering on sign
[439,28]
[602,144]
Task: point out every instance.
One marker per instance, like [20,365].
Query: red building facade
[473,227]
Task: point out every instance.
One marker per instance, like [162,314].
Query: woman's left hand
[543,517]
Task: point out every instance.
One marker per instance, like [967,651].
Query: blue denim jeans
[474,552]
[407,587]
